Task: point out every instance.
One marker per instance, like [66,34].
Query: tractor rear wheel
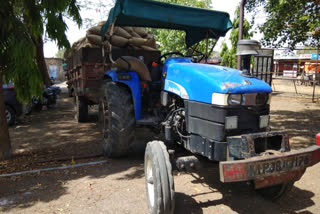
[159,179]
[275,192]
[81,109]
[116,120]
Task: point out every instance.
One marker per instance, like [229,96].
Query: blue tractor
[214,113]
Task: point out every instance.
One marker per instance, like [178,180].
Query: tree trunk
[5,145]
[40,61]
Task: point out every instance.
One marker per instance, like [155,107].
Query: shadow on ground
[241,197]
[52,138]
[301,126]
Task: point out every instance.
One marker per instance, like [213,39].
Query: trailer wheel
[116,120]
[158,179]
[81,109]
[275,192]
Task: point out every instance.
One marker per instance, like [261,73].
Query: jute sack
[128,29]
[101,23]
[148,48]
[96,30]
[140,31]
[121,32]
[118,41]
[135,65]
[94,39]
[151,42]
[89,45]
[134,34]
[138,41]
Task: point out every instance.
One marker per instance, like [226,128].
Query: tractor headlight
[219,99]
[235,99]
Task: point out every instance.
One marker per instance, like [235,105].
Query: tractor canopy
[198,23]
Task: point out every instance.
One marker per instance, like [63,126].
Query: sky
[74,33]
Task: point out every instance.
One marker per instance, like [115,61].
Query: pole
[315,82]
[240,34]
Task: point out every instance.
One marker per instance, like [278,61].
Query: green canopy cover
[197,23]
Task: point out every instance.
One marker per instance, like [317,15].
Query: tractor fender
[133,83]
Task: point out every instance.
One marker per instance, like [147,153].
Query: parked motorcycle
[49,98]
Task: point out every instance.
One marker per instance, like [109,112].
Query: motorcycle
[49,98]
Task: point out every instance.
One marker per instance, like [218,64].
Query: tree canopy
[228,56]
[289,22]
[174,40]
[22,21]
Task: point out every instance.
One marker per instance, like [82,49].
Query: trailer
[86,72]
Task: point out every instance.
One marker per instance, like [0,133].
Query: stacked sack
[123,37]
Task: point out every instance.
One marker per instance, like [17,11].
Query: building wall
[55,69]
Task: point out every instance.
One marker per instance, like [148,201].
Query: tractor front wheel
[275,192]
[116,120]
[159,179]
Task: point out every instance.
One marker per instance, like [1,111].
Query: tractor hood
[194,81]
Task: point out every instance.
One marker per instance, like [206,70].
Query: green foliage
[174,40]
[22,21]
[60,53]
[228,57]
[289,22]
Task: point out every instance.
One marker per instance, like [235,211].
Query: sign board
[288,73]
[314,56]
[305,56]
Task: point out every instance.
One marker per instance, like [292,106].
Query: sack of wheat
[94,39]
[140,31]
[96,30]
[138,41]
[118,41]
[121,32]
[134,65]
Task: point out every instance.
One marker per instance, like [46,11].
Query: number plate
[279,165]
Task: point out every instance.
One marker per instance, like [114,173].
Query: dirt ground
[53,138]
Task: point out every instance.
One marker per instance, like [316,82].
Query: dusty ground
[52,138]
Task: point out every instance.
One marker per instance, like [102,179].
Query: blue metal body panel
[174,60]
[134,85]
[197,82]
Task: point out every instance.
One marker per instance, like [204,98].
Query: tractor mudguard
[131,79]
[197,82]
[269,169]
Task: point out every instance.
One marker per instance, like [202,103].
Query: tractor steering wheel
[167,54]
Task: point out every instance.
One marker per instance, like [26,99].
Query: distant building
[55,68]
[292,64]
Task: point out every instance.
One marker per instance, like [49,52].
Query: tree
[60,53]
[23,23]
[289,22]
[228,57]
[174,40]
